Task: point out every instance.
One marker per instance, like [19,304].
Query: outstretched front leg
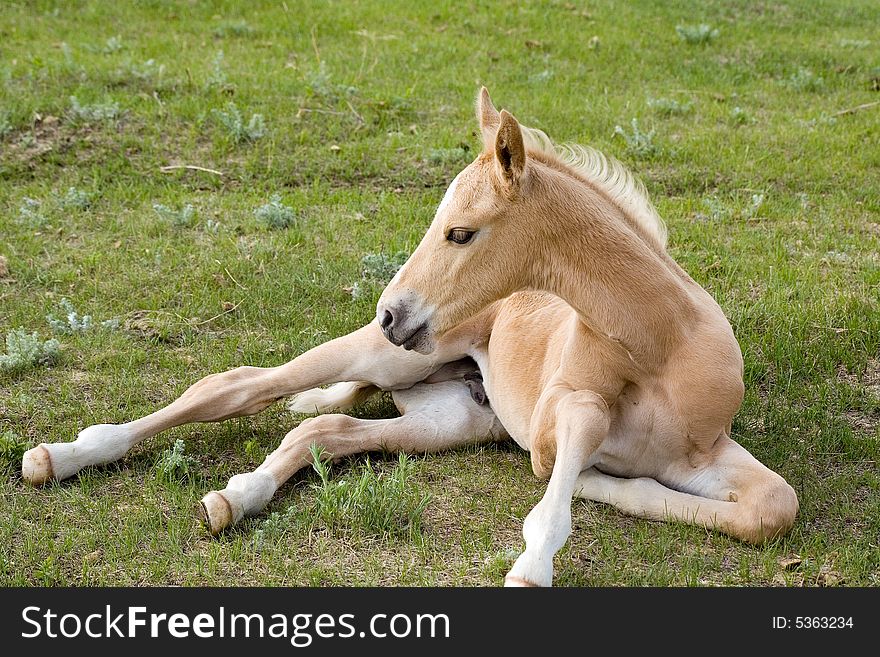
[364,355]
[579,422]
[436,416]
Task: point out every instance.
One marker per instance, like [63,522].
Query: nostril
[386,320]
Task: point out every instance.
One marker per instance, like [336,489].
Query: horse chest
[512,404]
[524,351]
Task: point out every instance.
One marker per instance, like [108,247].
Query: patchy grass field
[330,133]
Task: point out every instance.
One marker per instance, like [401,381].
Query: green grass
[364,121]
[367,503]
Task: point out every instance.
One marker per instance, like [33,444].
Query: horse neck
[621,287]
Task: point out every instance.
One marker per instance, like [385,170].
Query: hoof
[513,580]
[216,512]
[36,466]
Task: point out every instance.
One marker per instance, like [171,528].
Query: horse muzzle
[404,328]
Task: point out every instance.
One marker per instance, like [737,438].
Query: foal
[546,269]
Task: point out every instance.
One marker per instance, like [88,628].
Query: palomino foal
[545,274]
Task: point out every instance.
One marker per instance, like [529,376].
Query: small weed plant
[93,113]
[237,130]
[366,503]
[638,143]
[670,107]
[174,465]
[25,350]
[184,217]
[275,214]
[697,34]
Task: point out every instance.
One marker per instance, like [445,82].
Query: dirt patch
[871,229]
[154,326]
[45,136]
[863,421]
[54,135]
[870,378]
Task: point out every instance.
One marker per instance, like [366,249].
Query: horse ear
[510,152]
[488,117]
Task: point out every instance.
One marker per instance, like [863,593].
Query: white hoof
[514,581]
[244,495]
[531,569]
[216,512]
[36,466]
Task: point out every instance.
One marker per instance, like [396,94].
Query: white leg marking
[100,443]
[581,424]
[545,530]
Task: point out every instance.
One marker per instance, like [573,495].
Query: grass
[367,503]
[363,125]
[12,448]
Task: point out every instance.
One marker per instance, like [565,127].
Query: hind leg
[364,355]
[734,493]
[435,417]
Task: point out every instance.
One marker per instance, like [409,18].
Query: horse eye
[460,235]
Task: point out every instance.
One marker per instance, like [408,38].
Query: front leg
[364,355]
[579,422]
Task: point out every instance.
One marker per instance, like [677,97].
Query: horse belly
[643,438]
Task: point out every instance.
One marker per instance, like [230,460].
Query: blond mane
[610,176]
